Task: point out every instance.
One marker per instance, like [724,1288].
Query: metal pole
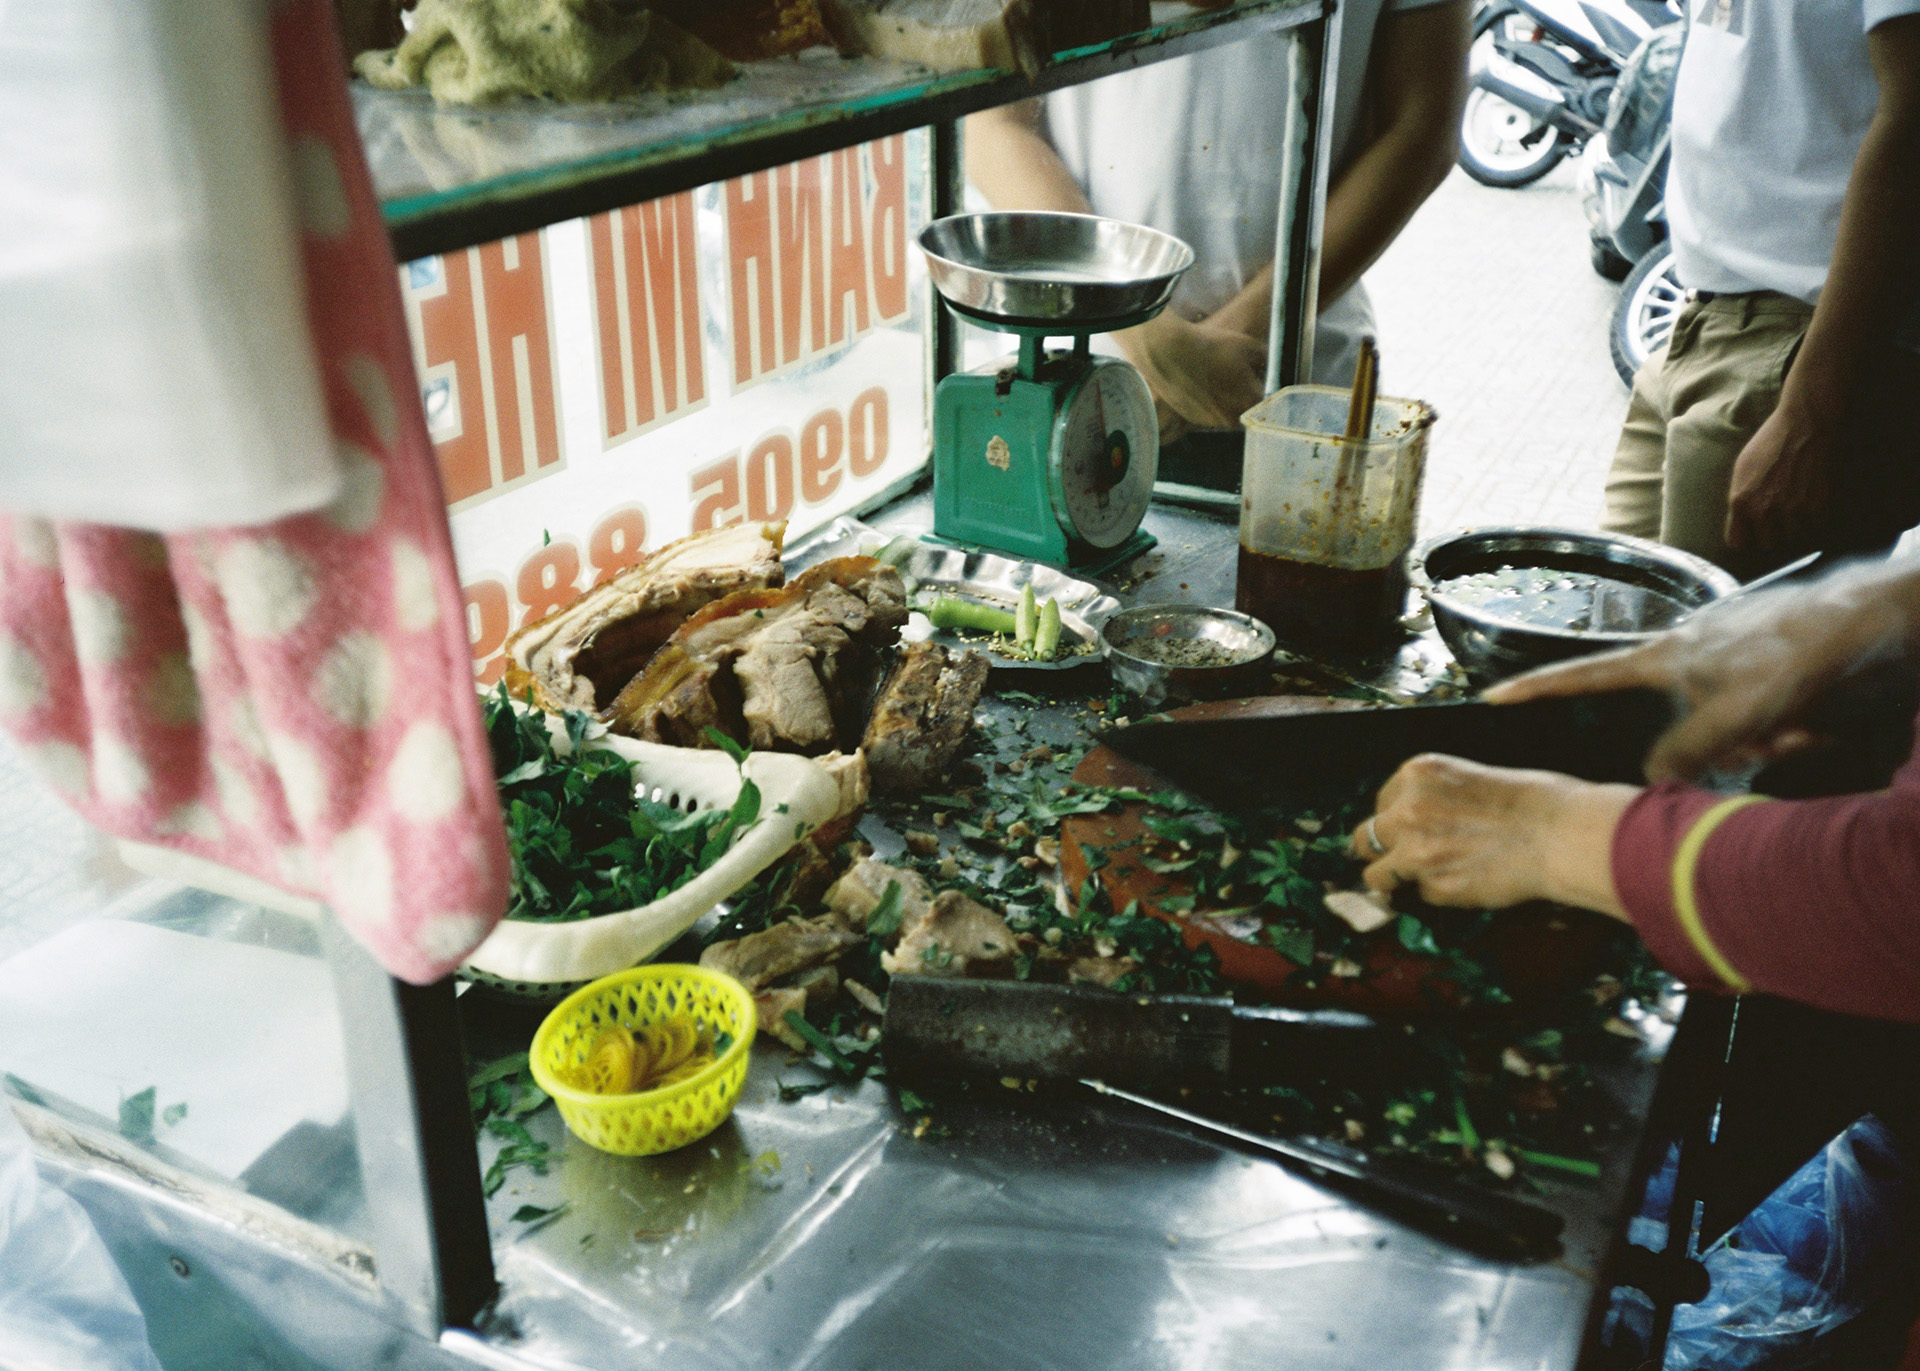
[1313,63]
[947,174]
[407,1077]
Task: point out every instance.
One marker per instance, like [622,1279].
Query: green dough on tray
[470,52]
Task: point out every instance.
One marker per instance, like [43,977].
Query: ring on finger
[1373,839]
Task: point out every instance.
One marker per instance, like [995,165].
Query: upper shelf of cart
[454,176]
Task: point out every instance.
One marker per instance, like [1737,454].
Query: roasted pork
[922,716]
[955,937]
[583,654]
[858,893]
[792,670]
[759,959]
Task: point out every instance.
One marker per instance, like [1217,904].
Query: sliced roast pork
[792,670]
[956,936]
[759,959]
[858,893]
[583,654]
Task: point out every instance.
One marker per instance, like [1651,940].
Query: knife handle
[1482,1218]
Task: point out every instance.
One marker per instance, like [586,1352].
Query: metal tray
[982,576]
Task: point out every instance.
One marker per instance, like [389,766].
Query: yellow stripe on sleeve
[1685,859]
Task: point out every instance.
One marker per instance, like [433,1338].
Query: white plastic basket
[538,960]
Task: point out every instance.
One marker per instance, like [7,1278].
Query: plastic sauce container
[1325,523]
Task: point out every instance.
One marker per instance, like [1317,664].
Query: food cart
[276,1139]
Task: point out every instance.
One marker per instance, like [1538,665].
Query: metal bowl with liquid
[1507,599]
[1075,272]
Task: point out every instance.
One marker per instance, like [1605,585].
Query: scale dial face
[1106,453]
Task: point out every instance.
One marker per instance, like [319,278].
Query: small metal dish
[1033,270]
[1493,647]
[1128,633]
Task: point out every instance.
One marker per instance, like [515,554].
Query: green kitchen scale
[1051,455]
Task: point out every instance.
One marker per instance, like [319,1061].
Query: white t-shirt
[1769,110]
[1191,146]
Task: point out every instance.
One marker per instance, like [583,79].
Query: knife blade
[1257,756]
[1477,1218]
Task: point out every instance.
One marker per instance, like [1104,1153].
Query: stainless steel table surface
[1061,1232]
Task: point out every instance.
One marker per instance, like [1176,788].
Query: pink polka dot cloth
[296,700]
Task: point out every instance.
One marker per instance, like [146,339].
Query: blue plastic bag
[1812,1256]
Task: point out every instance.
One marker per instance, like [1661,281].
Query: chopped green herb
[534,1214]
[1575,1166]
[23,1090]
[800,1090]
[884,921]
[136,1117]
[822,1044]
[1416,937]
[725,744]
[582,842]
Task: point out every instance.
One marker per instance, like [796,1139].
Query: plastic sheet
[63,1302]
[1813,1256]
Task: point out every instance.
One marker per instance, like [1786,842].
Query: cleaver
[939,1026]
[1250,754]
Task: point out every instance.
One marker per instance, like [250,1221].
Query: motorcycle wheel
[1493,133]
[1650,301]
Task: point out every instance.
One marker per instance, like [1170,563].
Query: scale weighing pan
[1074,273]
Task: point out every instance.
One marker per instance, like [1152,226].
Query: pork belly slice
[921,719]
[583,654]
[793,669]
[858,893]
[955,937]
[759,959]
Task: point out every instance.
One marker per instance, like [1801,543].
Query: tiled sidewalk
[1489,311]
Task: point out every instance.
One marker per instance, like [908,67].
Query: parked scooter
[1623,183]
[1543,73]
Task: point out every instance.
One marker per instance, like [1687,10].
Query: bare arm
[1199,374]
[1014,166]
[1417,82]
[1782,476]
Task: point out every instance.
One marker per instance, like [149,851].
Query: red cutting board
[1539,949]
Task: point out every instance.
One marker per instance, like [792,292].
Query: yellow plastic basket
[639,1125]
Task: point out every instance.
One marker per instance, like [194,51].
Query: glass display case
[627,328]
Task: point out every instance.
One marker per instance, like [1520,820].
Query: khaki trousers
[1699,399]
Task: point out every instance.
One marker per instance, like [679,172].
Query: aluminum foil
[934,568]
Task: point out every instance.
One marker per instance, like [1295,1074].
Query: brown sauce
[1321,606]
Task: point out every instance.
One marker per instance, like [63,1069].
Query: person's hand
[1172,427]
[1487,837]
[1781,481]
[1745,672]
[1209,376]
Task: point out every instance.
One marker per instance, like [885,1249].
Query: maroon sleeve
[1811,900]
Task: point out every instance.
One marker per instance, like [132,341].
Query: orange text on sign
[816,255]
[646,305]
[485,356]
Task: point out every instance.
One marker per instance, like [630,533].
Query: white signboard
[747,350]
